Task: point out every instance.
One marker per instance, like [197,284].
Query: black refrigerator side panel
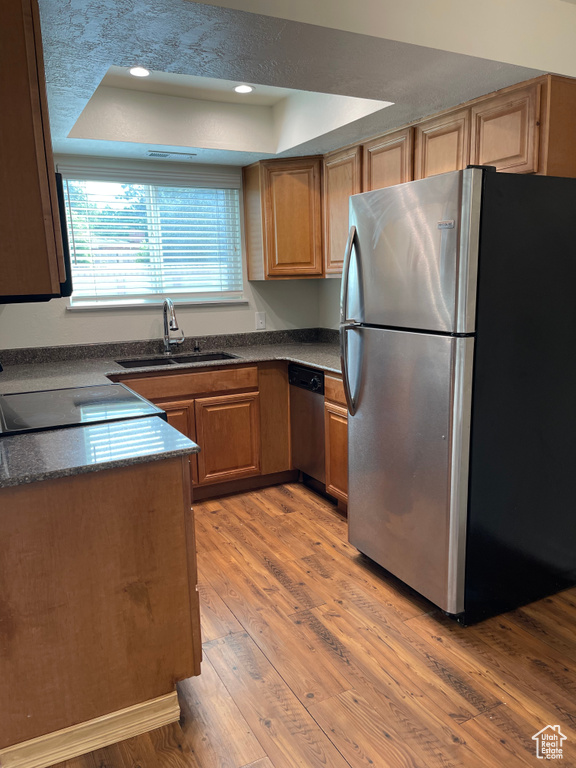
[521,538]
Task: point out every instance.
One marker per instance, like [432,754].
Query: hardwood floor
[315,657]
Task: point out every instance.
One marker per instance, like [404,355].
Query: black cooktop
[54,408]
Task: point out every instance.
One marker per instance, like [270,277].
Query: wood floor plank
[454,692]
[263,559]
[551,621]
[270,528]
[283,726]
[215,730]
[505,727]
[216,619]
[170,747]
[465,648]
[238,583]
[434,739]
[309,674]
[361,734]
[264,763]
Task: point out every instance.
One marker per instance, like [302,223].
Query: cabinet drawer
[190,384]
[334,390]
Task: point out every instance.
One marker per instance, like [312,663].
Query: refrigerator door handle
[351,401]
[346,323]
[345,275]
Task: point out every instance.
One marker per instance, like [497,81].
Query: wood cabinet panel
[336,437]
[99,608]
[442,144]
[180,385]
[274,393]
[388,160]
[31,255]
[334,390]
[505,130]
[228,432]
[342,178]
[292,217]
[180,415]
[283,218]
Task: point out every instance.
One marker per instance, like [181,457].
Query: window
[135,242]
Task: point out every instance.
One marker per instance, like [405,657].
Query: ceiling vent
[170,155]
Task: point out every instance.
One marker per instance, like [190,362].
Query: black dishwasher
[307,420]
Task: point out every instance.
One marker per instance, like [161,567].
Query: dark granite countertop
[31,377]
[75,450]
[58,453]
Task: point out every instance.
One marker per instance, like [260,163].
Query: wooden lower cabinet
[336,436]
[228,432]
[99,604]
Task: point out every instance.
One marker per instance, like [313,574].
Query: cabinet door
[387,160]
[505,130]
[228,433]
[442,144]
[336,435]
[31,257]
[292,217]
[180,415]
[342,178]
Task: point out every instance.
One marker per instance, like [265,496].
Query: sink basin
[145,363]
[193,357]
[203,357]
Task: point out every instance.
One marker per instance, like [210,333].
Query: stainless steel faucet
[170,324]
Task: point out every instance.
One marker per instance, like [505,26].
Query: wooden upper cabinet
[505,130]
[342,178]
[283,218]
[442,144]
[388,160]
[31,254]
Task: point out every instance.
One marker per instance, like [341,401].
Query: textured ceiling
[83,38]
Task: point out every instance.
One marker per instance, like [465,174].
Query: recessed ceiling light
[243,89]
[139,71]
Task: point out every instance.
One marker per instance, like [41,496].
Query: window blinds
[135,243]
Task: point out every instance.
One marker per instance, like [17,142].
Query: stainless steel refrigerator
[458,335]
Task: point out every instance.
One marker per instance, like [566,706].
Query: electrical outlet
[260,321]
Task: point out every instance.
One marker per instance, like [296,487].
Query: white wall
[329,302]
[118,114]
[304,116]
[287,303]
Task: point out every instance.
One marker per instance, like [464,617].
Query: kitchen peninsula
[99,604]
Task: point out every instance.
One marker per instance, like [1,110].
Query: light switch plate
[260,321]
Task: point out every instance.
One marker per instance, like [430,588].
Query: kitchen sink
[193,357]
[203,357]
[145,363]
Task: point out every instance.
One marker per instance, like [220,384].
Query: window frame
[174,175]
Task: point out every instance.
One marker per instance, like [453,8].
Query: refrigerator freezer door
[416,253]
[408,459]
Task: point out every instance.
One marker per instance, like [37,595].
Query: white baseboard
[93,734]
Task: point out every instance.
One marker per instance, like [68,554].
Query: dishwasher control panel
[306,378]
